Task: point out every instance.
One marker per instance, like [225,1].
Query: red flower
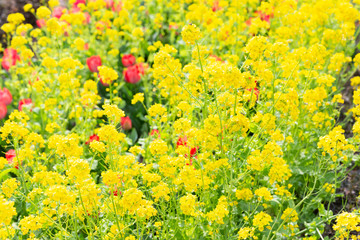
[128,60]
[173,26]
[255,91]
[215,6]
[10,155]
[104,84]
[77,2]
[93,63]
[117,192]
[58,12]
[5,96]
[25,102]
[216,57]
[126,123]
[87,18]
[155,132]
[109,3]
[10,58]
[263,16]
[182,141]
[133,74]
[41,23]
[117,7]
[93,137]
[3,110]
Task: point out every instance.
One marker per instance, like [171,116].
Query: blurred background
[12,6]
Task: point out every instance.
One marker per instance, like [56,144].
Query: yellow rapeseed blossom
[190,34]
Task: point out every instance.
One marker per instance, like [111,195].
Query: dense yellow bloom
[261,220]
[9,186]
[7,211]
[290,214]
[190,34]
[263,193]
[109,134]
[43,12]
[110,177]
[98,146]
[345,223]
[15,18]
[66,145]
[157,110]
[113,112]
[31,223]
[139,97]
[158,147]
[188,205]
[221,210]
[107,74]
[161,191]
[244,194]
[246,233]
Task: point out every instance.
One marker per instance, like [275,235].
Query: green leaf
[133,135]
[4,173]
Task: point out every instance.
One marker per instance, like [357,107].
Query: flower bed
[177,120]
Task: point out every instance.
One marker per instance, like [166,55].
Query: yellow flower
[157,109]
[188,204]
[107,74]
[158,147]
[9,186]
[98,146]
[261,220]
[139,97]
[264,193]
[15,18]
[43,12]
[244,194]
[289,214]
[8,27]
[113,112]
[190,34]
[28,7]
[246,233]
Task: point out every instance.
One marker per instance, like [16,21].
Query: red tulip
[9,59]
[128,60]
[3,110]
[25,103]
[5,96]
[77,2]
[93,63]
[126,123]
[93,137]
[10,155]
[133,74]
[58,12]
[41,23]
